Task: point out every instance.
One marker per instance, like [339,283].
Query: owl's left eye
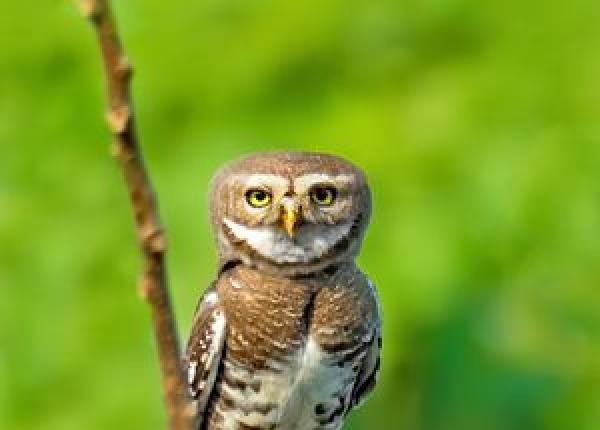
[258,198]
[323,196]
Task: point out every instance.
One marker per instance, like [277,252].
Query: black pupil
[323,194]
[260,195]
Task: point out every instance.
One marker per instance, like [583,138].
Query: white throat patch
[310,242]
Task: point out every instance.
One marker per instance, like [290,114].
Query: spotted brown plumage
[289,335]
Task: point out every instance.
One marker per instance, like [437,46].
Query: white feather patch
[193,367]
[304,182]
[261,180]
[211,298]
[310,242]
[312,377]
[210,359]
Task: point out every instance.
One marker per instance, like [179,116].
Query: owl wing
[369,369]
[204,348]
[367,375]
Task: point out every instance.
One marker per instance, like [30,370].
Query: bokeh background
[478,125]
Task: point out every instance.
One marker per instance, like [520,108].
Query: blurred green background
[478,125]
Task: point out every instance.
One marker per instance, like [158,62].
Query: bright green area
[477,122]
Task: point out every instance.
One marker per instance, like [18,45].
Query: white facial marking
[261,179]
[310,241]
[304,182]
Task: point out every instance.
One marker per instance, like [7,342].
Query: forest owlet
[288,336]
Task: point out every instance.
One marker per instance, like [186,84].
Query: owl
[288,337]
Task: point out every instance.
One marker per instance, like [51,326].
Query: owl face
[290,212]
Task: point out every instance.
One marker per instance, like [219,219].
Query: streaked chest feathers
[293,354]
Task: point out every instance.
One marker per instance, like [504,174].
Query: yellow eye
[258,198]
[323,196]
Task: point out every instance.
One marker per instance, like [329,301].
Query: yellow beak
[290,218]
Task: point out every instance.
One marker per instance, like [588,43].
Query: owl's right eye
[258,198]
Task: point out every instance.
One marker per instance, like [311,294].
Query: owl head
[290,213]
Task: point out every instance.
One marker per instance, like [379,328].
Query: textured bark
[151,237]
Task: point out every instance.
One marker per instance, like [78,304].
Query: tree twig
[151,237]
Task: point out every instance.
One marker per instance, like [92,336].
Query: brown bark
[151,237]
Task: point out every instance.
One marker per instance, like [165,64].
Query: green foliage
[477,123]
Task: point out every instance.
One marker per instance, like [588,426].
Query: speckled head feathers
[289,212]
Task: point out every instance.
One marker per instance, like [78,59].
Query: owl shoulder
[363,293]
[346,311]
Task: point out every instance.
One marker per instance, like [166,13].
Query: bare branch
[151,237]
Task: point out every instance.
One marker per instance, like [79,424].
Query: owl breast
[292,353]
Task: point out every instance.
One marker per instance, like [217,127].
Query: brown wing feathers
[204,348]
